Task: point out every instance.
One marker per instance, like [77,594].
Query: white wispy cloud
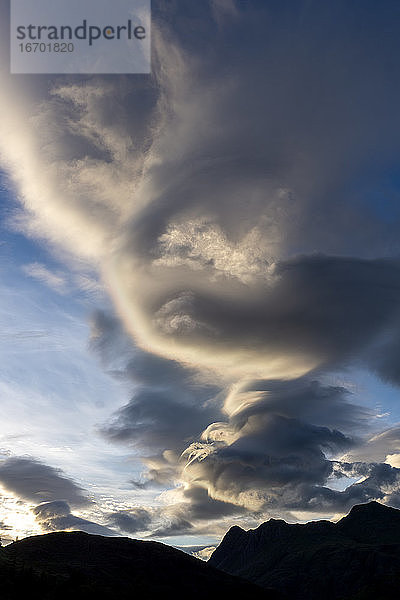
[57,281]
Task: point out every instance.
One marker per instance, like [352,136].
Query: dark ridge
[357,558]
[370,522]
[373,509]
[76,565]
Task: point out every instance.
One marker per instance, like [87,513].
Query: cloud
[319,311]
[224,9]
[175,525]
[187,515]
[190,512]
[377,447]
[56,516]
[204,553]
[56,281]
[33,481]
[36,482]
[132,520]
[268,445]
[281,447]
[163,389]
[194,189]
[377,482]
[65,283]
[149,421]
[160,470]
[383,356]
[230,203]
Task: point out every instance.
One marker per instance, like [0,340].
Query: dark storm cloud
[263,136]
[329,310]
[35,481]
[280,448]
[201,507]
[120,356]
[285,447]
[306,399]
[379,482]
[171,521]
[56,516]
[176,525]
[131,521]
[159,423]
[150,421]
[192,514]
[384,356]
[169,407]
[296,102]
[277,449]
[297,184]
[256,253]
[162,470]
[276,457]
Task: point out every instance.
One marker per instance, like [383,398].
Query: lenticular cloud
[217,199]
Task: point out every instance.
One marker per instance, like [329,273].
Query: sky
[200,276]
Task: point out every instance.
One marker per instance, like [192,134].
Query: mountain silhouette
[77,566]
[357,558]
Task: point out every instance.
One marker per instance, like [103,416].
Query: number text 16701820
[46,47]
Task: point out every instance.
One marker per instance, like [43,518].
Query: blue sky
[54,391]
[200,277]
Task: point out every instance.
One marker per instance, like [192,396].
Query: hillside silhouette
[357,558]
[77,565]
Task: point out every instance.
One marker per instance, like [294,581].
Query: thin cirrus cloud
[226,201]
[61,282]
[55,281]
